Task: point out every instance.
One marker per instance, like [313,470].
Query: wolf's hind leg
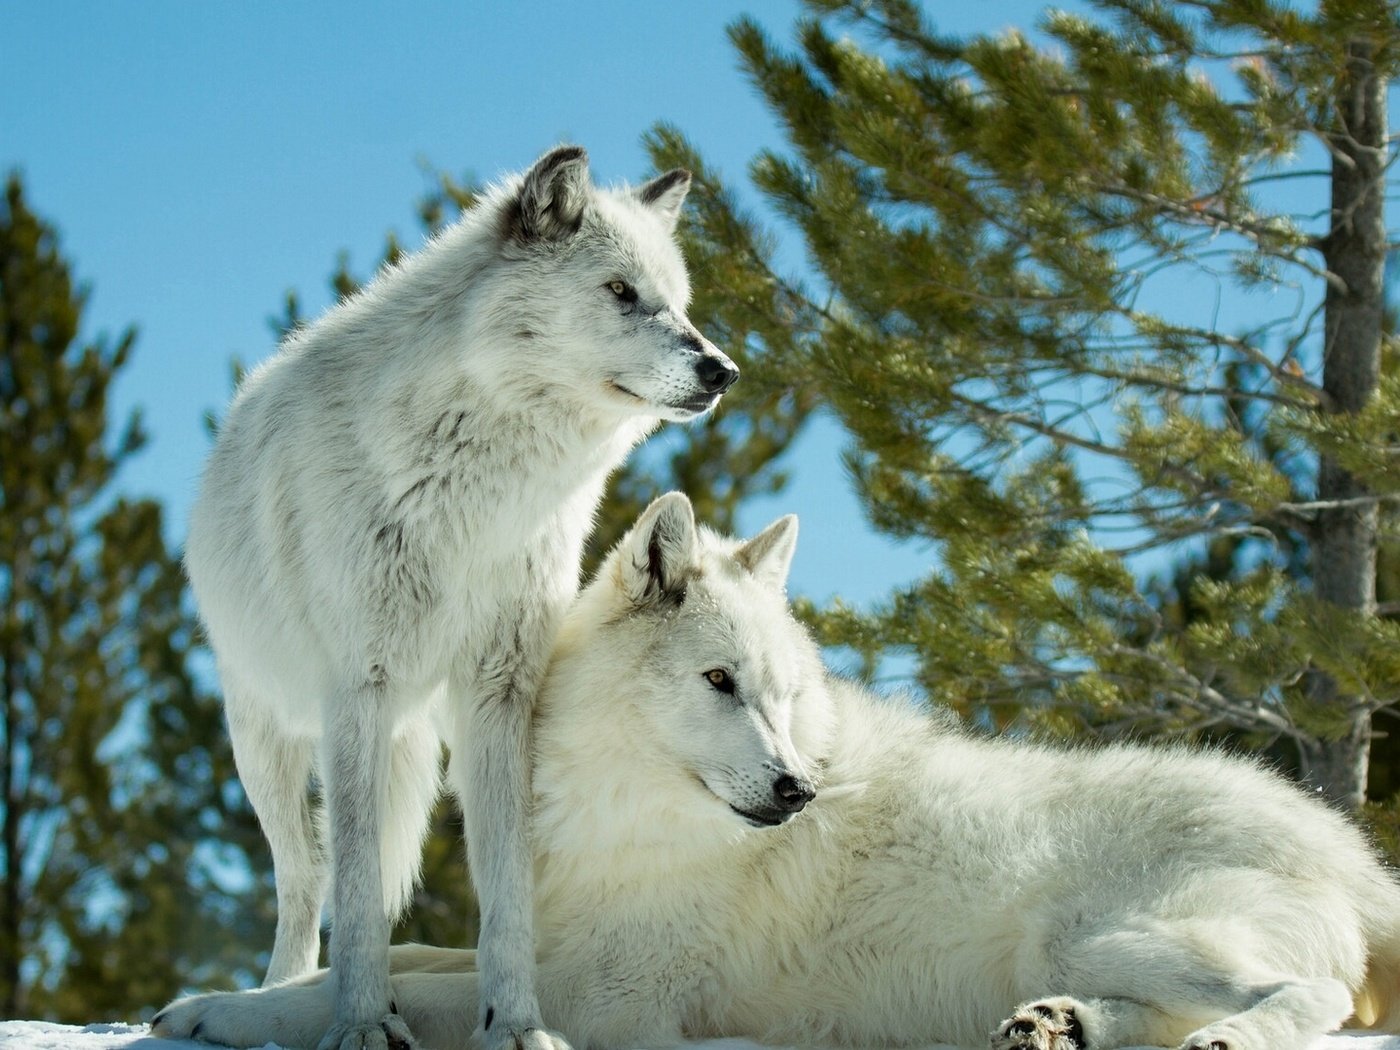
[1289,1015]
[1145,987]
[275,770]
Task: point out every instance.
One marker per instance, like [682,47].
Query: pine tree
[123,879]
[1088,303]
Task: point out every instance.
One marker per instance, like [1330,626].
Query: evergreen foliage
[1090,303]
[121,829]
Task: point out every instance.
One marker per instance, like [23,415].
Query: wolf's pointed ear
[552,197]
[769,554]
[659,553]
[666,193]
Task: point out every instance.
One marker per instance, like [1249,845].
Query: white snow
[40,1035]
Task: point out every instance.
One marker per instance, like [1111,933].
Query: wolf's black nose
[791,793]
[716,374]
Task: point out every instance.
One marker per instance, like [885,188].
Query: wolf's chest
[476,489]
[455,583]
[475,533]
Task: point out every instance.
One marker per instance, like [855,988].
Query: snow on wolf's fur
[388,530]
[937,887]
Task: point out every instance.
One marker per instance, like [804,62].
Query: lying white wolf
[387,532]
[941,887]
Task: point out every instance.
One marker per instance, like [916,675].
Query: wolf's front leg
[439,1008]
[1063,1022]
[295,1014]
[356,767]
[1047,1024]
[630,1002]
[491,774]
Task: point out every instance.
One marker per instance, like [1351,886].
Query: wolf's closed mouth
[615,385]
[758,819]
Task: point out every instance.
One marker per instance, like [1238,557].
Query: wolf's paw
[390,1032]
[172,1023]
[1214,1037]
[1046,1024]
[509,1038]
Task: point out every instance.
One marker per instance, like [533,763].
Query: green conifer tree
[1112,295]
[119,844]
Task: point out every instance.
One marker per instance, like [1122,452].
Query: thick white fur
[942,887]
[390,526]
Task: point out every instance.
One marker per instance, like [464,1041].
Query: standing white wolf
[940,887]
[388,528]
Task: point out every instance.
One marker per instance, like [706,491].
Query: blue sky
[201,159]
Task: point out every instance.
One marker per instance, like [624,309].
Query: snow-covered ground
[39,1035]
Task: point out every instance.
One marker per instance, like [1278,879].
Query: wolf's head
[593,285]
[684,696]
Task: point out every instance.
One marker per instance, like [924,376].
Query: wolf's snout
[791,793]
[716,374]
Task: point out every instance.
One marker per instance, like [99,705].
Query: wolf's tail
[1377,1001]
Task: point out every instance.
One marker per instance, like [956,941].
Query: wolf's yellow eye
[719,678]
[625,292]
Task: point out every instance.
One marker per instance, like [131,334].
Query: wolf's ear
[769,554]
[552,197]
[666,193]
[659,553]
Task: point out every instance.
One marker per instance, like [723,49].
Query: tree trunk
[10,942]
[1344,545]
